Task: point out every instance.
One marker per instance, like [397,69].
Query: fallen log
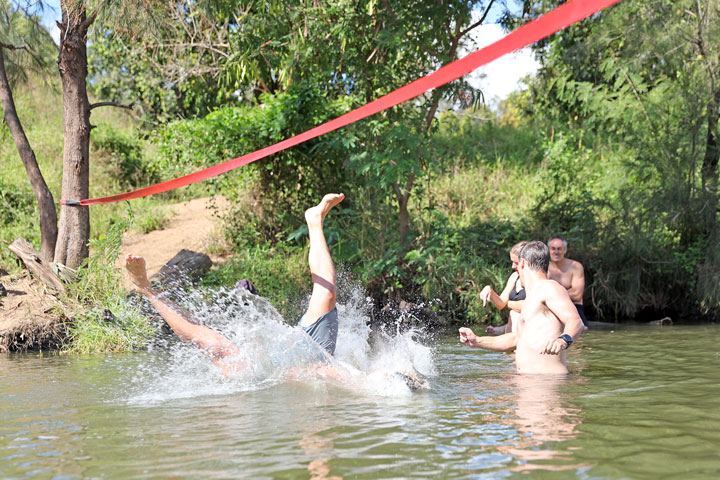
[35,264]
[663,322]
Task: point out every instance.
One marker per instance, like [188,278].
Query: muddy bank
[30,317]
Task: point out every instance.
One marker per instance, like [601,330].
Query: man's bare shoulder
[575,266]
[551,286]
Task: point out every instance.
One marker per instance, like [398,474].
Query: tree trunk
[712,147]
[710,183]
[46,204]
[403,198]
[74,231]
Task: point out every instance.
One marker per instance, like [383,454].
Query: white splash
[274,352]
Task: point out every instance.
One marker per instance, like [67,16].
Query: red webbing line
[546,25]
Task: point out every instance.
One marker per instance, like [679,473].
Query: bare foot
[316,215]
[135,266]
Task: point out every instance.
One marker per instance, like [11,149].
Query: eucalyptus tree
[77,18]
[24,50]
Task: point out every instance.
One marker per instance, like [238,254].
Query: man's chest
[563,277]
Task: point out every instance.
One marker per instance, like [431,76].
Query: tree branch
[10,46]
[390,10]
[479,22]
[111,104]
[89,20]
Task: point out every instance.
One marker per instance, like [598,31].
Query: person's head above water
[558,248]
[535,256]
[515,254]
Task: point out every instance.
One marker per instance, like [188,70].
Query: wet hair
[558,237]
[515,250]
[537,256]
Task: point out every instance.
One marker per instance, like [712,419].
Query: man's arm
[558,301]
[577,283]
[506,342]
[213,343]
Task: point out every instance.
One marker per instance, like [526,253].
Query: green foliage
[114,327]
[152,218]
[18,216]
[454,260]
[21,26]
[476,136]
[97,276]
[14,201]
[637,196]
[568,203]
[121,74]
[288,182]
[125,156]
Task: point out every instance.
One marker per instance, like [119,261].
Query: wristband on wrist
[568,339]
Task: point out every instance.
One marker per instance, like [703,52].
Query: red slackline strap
[553,21]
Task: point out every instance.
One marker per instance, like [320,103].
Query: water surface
[641,402]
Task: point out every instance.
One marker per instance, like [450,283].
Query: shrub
[125,154]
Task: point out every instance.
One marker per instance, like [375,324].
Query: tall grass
[103,319]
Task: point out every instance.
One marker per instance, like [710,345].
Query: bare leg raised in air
[320,319]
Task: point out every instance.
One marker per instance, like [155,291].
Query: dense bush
[285,183]
[125,156]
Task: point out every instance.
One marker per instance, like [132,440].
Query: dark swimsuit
[516,296]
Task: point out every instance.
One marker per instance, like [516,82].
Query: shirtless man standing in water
[548,323]
[568,273]
[320,321]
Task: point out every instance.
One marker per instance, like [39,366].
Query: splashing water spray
[273,352]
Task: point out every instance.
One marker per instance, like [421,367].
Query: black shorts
[581,312]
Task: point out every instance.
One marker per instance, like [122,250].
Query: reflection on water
[640,403]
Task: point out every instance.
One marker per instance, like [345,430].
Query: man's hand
[490,330]
[467,336]
[485,294]
[555,346]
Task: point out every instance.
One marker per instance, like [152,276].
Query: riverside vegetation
[614,144]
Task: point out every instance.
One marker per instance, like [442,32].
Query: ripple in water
[274,352]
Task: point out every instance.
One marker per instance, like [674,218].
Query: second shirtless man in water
[548,324]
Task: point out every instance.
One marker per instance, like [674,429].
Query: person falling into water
[548,324]
[320,321]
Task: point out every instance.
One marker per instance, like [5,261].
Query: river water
[640,402]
